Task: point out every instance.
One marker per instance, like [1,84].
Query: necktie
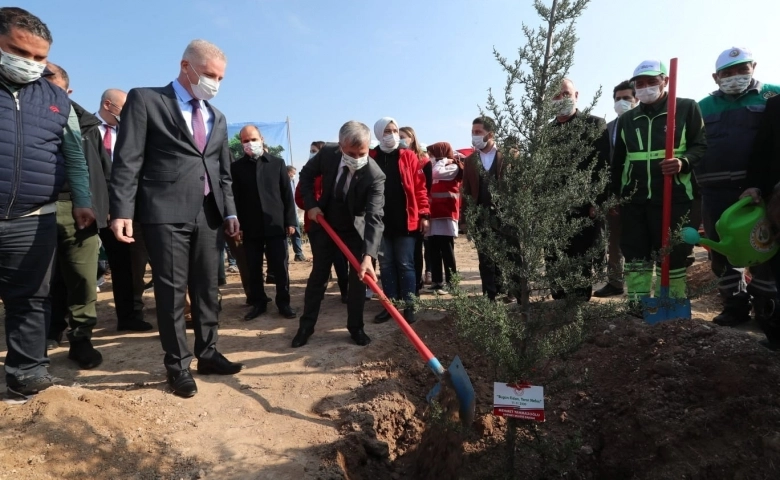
[342,182]
[107,139]
[199,134]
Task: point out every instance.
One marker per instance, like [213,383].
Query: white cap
[651,68]
[733,56]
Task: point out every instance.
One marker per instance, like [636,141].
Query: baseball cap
[733,56]
[650,68]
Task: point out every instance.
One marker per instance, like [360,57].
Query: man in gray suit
[352,201]
[171,173]
[624,96]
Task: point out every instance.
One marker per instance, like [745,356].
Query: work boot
[736,311]
[83,353]
[770,324]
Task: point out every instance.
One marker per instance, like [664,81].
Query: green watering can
[745,233]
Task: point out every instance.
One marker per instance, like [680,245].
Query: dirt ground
[685,399]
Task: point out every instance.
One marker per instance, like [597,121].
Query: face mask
[354,164]
[403,143]
[254,149]
[622,106]
[19,70]
[478,142]
[206,88]
[312,154]
[649,95]
[390,142]
[564,107]
[734,85]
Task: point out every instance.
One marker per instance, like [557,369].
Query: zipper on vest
[17,157]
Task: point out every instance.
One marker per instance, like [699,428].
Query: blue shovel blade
[464,390]
[660,309]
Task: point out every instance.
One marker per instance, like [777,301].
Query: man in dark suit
[172,174]
[352,200]
[264,202]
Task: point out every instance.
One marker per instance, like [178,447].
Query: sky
[427,63]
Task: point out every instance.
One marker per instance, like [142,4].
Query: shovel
[457,377]
[663,307]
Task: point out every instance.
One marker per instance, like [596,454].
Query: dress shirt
[114,133]
[350,174]
[487,158]
[186,108]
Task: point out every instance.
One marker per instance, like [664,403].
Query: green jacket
[641,145]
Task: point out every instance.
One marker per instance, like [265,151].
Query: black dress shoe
[270,280]
[257,310]
[134,326]
[287,312]
[83,353]
[182,383]
[608,290]
[409,315]
[382,317]
[344,299]
[218,365]
[360,337]
[302,337]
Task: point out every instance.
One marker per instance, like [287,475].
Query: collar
[647,109]
[104,122]
[182,93]
[754,85]
[253,159]
[493,149]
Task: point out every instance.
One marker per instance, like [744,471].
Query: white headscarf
[379,132]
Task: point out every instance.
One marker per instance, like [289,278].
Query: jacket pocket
[160,176]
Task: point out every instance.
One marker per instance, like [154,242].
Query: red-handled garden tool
[663,307]
[457,374]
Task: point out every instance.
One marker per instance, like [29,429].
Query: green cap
[650,68]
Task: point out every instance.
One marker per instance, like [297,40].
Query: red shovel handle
[666,222]
[399,319]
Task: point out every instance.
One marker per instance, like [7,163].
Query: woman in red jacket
[339,262]
[445,211]
[409,140]
[405,214]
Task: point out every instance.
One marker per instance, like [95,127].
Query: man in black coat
[266,212]
[352,201]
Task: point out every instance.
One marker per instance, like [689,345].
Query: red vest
[445,198]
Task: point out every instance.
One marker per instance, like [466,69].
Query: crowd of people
[150,177]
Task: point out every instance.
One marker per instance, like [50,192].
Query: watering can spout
[692,237]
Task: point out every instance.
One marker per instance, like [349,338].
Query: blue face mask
[312,154]
[403,143]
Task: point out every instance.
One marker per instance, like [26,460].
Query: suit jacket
[610,132]
[471,169]
[275,195]
[365,196]
[158,172]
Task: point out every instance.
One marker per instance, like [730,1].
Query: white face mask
[354,164]
[206,88]
[390,142]
[564,107]
[650,94]
[19,70]
[312,154]
[403,143]
[478,142]
[734,85]
[622,106]
[254,149]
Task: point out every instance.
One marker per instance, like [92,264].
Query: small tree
[531,220]
[237,150]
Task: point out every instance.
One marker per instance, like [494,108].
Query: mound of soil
[88,434]
[682,399]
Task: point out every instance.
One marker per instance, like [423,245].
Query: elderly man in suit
[352,200]
[266,210]
[172,174]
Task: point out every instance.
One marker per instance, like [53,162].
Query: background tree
[238,151]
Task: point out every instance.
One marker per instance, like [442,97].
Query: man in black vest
[266,213]
[352,201]
[40,146]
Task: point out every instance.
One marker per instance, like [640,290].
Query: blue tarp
[274,133]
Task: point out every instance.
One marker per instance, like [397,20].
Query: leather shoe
[344,299]
[134,326]
[302,337]
[287,312]
[360,337]
[182,383]
[218,365]
[382,317]
[83,353]
[608,290]
[257,310]
[409,315]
